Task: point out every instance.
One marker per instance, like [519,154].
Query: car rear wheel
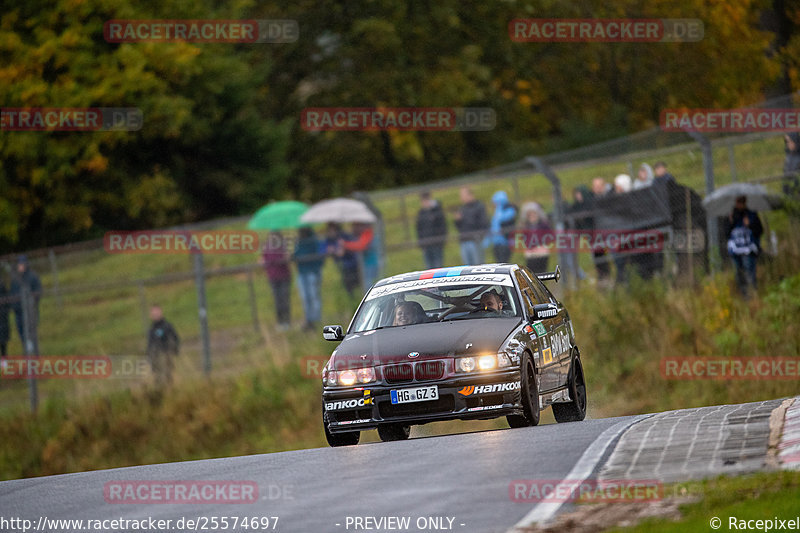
[574,411]
[390,432]
[350,438]
[530,397]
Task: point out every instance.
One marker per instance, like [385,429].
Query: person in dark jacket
[600,255]
[791,165]
[26,278]
[661,172]
[365,245]
[309,255]
[472,222]
[335,238]
[5,329]
[744,232]
[163,344]
[580,220]
[275,259]
[533,219]
[431,231]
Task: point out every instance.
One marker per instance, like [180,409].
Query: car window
[529,299]
[542,295]
[409,303]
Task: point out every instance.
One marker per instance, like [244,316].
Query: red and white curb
[789,446]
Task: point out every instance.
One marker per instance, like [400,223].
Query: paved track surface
[460,480]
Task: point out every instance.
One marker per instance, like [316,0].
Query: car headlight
[487,362]
[480,363]
[503,359]
[365,375]
[347,378]
[466,364]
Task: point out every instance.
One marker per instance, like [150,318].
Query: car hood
[431,341]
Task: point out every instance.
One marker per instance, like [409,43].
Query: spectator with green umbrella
[275,258]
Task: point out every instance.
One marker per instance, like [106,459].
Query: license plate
[419,394]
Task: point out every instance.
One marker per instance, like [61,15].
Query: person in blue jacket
[502,225]
[309,255]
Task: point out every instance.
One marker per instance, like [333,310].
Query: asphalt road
[451,483]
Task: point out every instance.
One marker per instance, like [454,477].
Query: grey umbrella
[338,210]
[720,202]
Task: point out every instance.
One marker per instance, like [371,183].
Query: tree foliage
[222,132]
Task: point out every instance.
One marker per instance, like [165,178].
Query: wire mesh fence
[238,305]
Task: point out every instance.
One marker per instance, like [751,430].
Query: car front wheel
[575,410]
[530,397]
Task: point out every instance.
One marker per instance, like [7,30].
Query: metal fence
[223,298]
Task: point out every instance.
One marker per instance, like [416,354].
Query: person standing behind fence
[472,223]
[661,173]
[163,344]
[644,178]
[431,230]
[600,254]
[5,329]
[534,222]
[275,260]
[364,243]
[309,255]
[501,226]
[791,165]
[581,222]
[335,238]
[744,244]
[26,278]
[622,185]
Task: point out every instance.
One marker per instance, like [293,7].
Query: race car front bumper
[478,396]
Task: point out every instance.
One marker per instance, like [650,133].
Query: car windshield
[408,303]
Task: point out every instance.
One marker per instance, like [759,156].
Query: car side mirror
[542,311]
[332,333]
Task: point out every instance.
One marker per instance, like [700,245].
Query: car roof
[463,270]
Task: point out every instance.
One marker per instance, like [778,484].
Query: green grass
[622,335]
[764,496]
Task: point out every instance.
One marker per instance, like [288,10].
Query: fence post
[404,214]
[54,269]
[515,187]
[29,345]
[689,232]
[558,211]
[253,307]
[143,308]
[200,283]
[732,162]
[711,221]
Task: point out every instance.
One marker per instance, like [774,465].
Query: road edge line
[587,464]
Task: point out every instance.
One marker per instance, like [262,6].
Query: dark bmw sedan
[474,342]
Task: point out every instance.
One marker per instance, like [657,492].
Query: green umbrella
[278,215]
